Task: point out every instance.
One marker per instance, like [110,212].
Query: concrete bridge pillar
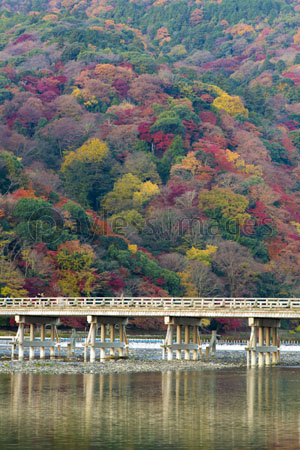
[122,337]
[169,340]
[31,349]
[268,343]
[43,335]
[53,332]
[183,326]
[211,348]
[266,329]
[275,342]
[102,338]
[20,336]
[195,342]
[32,343]
[187,341]
[112,339]
[261,344]
[113,345]
[178,341]
[252,345]
[93,333]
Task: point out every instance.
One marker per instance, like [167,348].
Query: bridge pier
[183,326]
[113,345]
[211,348]
[265,328]
[32,343]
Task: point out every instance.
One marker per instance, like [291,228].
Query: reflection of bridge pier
[176,409]
[185,396]
[266,329]
[263,402]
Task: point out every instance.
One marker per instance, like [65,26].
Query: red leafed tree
[229,324]
[259,212]
[192,131]
[209,146]
[24,37]
[47,88]
[159,140]
[287,143]
[147,89]
[144,133]
[30,113]
[121,87]
[10,72]
[208,116]
[116,283]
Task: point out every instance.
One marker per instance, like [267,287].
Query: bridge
[182,317]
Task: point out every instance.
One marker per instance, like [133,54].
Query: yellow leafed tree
[93,151]
[146,192]
[240,29]
[201,255]
[249,169]
[230,104]
[129,193]
[133,248]
[223,202]
[190,163]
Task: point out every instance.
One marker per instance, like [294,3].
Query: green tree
[94,164]
[172,155]
[142,166]
[39,222]
[11,279]
[168,122]
[11,172]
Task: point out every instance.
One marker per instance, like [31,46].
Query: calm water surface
[212,409]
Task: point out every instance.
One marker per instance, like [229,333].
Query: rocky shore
[135,363]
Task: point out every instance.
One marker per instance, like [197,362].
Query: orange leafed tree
[297,37]
[196,16]
[240,29]
[109,73]
[162,34]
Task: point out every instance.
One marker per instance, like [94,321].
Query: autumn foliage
[150,149]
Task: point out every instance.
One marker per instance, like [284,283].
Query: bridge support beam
[211,348]
[32,343]
[114,345]
[183,327]
[266,329]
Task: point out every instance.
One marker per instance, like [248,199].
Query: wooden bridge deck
[280,308]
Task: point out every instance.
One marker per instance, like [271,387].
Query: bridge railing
[149,302]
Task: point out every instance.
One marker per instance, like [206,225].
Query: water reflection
[253,409]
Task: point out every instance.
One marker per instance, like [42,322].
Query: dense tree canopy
[150,149]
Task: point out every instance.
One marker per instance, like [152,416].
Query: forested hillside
[150,148]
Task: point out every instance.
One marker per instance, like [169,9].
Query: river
[207,409]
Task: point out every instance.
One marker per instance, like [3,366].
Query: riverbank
[77,366]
